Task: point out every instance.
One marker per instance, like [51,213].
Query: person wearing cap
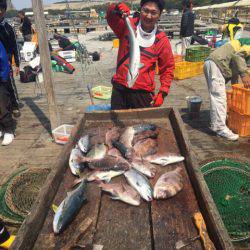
[228,62]
[6,120]
[8,39]
[154,48]
[187,25]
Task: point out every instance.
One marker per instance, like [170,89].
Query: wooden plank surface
[172,218]
[122,226]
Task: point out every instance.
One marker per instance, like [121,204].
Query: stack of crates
[239,110]
[193,64]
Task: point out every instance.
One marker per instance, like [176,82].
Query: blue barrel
[103,107]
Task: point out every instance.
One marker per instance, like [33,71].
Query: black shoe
[16,113]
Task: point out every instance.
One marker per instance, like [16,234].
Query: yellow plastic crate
[239,123]
[177,58]
[185,69]
[241,99]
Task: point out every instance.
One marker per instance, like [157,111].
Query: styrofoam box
[61,134]
[69,55]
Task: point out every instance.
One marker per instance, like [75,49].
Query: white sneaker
[227,134]
[7,139]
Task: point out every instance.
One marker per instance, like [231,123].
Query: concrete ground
[33,146]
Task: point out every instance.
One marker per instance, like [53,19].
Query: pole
[45,62]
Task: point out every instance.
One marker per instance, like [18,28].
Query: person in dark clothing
[5,238]
[187,25]
[8,39]
[64,42]
[26,26]
[6,120]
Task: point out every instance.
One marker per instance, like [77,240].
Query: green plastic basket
[102,92]
[229,184]
[197,54]
[244,41]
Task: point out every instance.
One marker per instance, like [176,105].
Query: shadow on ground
[200,123]
[44,120]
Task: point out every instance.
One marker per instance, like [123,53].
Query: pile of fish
[131,152]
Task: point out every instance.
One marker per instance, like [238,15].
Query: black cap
[159,3]
[3,4]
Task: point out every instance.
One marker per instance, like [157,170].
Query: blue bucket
[104,107]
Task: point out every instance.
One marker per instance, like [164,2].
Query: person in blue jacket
[6,121]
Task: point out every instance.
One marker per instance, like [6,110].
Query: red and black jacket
[160,52]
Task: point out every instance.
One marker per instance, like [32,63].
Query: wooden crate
[115,225]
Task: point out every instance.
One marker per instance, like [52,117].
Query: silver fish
[122,192]
[69,207]
[144,167]
[134,55]
[140,183]
[169,184]
[164,159]
[74,161]
[84,144]
[98,151]
[107,163]
[104,175]
[127,136]
[127,152]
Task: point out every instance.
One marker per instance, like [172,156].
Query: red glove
[124,9]
[158,99]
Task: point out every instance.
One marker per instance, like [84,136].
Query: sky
[20,4]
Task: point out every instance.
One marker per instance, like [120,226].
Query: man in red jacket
[154,48]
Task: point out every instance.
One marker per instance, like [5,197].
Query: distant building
[10,5]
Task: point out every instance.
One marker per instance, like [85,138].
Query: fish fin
[107,179]
[54,208]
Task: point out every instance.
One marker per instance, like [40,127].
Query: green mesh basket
[229,184]
[197,54]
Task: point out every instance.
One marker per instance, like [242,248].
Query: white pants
[185,42]
[217,93]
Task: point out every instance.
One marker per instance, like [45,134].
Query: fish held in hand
[164,159]
[84,144]
[169,184]
[75,165]
[104,175]
[69,207]
[144,167]
[122,192]
[140,183]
